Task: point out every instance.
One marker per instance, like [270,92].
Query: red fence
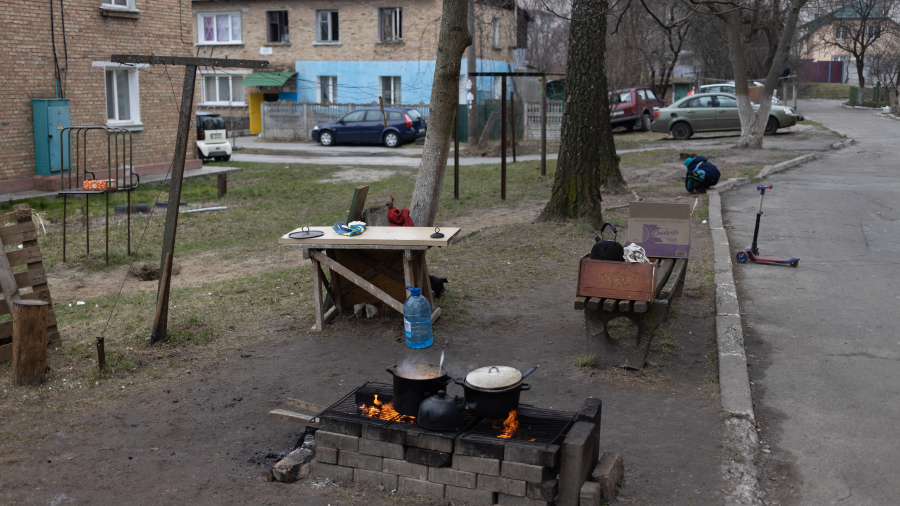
[821,72]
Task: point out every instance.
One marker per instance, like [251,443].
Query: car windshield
[413,114]
[212,123]
[622,98]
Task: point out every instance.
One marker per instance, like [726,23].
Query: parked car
[367,126]
[212,137]
[714,112]
[730,89]
[633,107]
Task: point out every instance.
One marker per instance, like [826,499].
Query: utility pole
[158,333]
[471,68]
[543,125]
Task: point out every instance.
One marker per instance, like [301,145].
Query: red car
[633,107]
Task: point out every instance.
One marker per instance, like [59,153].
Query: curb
[789,164]
[844,144]
[859,107]
[739,471]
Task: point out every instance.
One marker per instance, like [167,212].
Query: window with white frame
[327,26]
[219,28]
[223,89]
[390,90]
[495,31]
[873,31]
[390,22]
[118,4]
[841,32]
[122,96]
[327,89]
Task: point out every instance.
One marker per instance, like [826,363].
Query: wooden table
[382,262]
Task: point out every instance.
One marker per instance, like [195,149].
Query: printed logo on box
[656,234]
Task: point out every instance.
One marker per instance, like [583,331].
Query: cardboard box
[663,230]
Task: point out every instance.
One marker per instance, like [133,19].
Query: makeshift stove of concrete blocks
[541,457]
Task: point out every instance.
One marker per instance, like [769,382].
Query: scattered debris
[371,310]
[293,467]
[204,209]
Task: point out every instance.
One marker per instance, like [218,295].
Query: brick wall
[27,71]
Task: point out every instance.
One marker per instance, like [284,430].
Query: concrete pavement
[823,356]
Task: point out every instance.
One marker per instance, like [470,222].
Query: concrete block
[326,455]
[388,481]
[295,466]
[336,473]
[428,441]
[590,494]
[490,467]
[359,461]
[576,462]
[470,496]
[381,449]
[427,457]
[534,474]
[482,449]
[590,412]
[344,427]
[501,485]
[608,474]
[405,469]
[545,491]
[513,500]
[535,456]
[337,441]
[420,487]
[385,434]
[453,477]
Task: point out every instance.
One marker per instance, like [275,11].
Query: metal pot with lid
[413,383]
[492,392]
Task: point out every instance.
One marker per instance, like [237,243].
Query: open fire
[509,427]
[384,411]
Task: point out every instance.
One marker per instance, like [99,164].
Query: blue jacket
[701,173]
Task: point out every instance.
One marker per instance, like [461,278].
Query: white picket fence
[533,120]
[286,120]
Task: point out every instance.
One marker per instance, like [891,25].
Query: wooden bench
[646,315]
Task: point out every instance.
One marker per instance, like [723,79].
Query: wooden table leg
[424,280]
[407,270]
[317,296]
[335,284]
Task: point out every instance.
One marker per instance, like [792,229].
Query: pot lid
[495,377]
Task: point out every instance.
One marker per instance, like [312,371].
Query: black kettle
[441,412]
[608,250]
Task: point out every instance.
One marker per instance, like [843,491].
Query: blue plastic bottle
[417,320]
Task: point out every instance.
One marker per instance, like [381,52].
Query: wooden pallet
[32,282]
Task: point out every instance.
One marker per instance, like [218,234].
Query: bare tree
[884,64]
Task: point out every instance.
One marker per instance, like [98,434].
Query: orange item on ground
[98,184]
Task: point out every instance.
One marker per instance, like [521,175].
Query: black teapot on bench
[608,250]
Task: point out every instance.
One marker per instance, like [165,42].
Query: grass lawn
[825,90]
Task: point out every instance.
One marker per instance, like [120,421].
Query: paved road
[822,345]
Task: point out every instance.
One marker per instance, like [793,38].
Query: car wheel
[645,122]
[391,140]
[223,158]
[682,131]
[325,138]
[771,126]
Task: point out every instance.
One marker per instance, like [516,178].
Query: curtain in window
[123,95]
[224,89]
[223,26]
[209,28]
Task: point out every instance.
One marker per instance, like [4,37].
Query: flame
[384,411]
[510,425]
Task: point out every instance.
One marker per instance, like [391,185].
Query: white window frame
[393,95]
[396,14]
[495,33]
[134,94]
[843,31]
[233,42]
[204,100]
[869,31]
[111,5]
[326,85]
[329,39]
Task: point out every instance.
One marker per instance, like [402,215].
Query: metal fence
[533,120]
[286,120]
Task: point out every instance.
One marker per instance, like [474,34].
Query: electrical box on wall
[51,115]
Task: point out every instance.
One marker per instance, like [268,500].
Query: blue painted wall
[359,81]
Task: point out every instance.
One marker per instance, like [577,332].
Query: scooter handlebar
[762,189]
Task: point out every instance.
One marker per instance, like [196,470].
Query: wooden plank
[42,295]
[375,236]
[29,354]
[337,295]
[435,315]
[594,302]
[580,302]
[616,280]
[641,306]
[678,273]
[665,268]
[358,204]
[290,416]
[610,305]
[360,246]
[53,340]
[325,283]
[380,267]
[24,256]
[625,306]
[408,271]
[31,278]
[6,328]
[355,279]
[329,315]
[306,406]
[8,282]
[18,237]
[317,291]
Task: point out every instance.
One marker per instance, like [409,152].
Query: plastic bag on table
[636,254]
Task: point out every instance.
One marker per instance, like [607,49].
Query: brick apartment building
[322,52]
[77,37]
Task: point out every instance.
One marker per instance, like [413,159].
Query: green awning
[268,78]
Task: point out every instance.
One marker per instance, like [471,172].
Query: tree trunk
[860,66]
[454,38]
[587,154]
[472,66]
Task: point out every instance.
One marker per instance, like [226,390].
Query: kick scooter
[752,253]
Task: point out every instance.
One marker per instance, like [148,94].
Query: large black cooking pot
[492,392]
[413,383]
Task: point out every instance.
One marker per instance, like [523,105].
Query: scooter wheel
[741,257]
[794,263]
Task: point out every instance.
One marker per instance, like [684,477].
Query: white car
[729,88]
[212,137]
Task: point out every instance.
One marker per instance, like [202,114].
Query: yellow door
[255,113]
